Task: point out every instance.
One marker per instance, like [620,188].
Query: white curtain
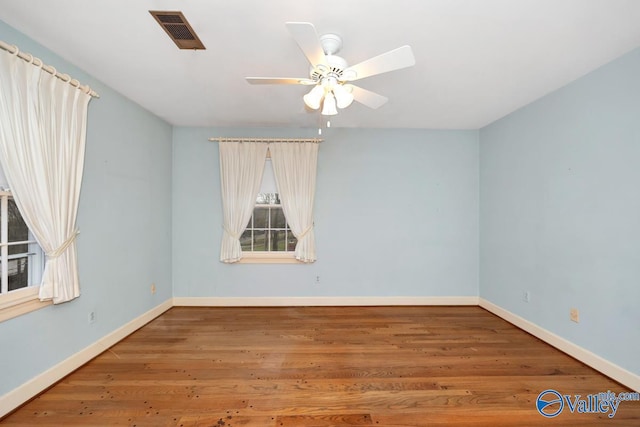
[241,168]
[294,166]
[42,144]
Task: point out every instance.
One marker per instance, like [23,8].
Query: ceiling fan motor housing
[335,67]
[331,43]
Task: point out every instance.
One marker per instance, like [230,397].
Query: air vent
[177,27]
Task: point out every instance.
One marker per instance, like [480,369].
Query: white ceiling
[476,60]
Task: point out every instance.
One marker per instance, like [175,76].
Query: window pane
[278,240]
[260,240]
[18,230]
[291,242]
[18,249]
[268,199]
[282,240]
[262,199]
[277,218]
[261,218]
[18,273]
[245,240]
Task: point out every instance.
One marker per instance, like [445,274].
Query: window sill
[20,302]
[268,258]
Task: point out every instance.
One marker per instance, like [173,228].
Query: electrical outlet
[317,279]
[92,317]
[574,315]
[526,296]
[153,288]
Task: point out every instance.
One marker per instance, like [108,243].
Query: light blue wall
[560,211]
[125,232]
[396,214]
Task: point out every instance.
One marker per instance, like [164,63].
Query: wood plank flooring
[323,366]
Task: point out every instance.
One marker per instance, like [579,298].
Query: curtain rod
[48,68]
[221,139]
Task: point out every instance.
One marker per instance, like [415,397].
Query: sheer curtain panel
[294,166]
[241,167]
[42,143]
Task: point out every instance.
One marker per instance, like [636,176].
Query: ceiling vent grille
[177,27]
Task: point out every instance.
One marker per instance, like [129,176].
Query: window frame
[23,300]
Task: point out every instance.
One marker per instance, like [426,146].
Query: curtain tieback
[305,232]
[234,235]
[64,246]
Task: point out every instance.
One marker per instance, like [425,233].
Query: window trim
[261,257]
[20,301]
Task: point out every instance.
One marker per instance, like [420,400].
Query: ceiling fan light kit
[331,75]
[314,97]
[343,95]
[329,105]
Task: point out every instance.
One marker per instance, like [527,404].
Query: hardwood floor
[323,366]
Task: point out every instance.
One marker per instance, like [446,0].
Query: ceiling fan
[330,75]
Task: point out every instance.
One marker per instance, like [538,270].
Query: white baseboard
[598,363]
[320,301]
[31,388]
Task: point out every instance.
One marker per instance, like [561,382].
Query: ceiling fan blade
[279,81]
[368,98]
[307,38]
[396,59]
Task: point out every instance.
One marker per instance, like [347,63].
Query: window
[43,120]
[244,173]
[268,238]
[21,260]
[268,230]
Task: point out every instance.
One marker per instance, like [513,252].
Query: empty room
[338,213]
